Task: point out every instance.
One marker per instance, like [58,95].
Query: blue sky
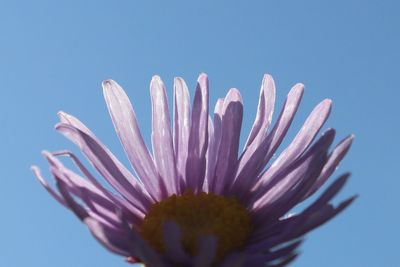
[54,55]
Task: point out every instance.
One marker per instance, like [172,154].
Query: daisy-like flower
[195,200]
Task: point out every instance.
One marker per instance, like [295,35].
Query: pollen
[197,215]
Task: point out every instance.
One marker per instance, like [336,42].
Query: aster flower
[195,200]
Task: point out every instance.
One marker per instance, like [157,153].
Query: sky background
[54,55]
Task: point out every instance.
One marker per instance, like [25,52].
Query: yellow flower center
[197,215]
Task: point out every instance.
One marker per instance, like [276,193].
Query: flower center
[197,215]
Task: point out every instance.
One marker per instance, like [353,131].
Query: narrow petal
[289,176]
[283,198]
[181,126]
[133,212]
[102,161]
[329,193]
[210,166]
[302,140]
[265,109]
[75,123]
[334,159]
[96,201]
[128,131]
[285,261]
[320,217]
[79,211]
[255,158]
[44,183]
[173,244]
[270,257]
[278,227]
[125,239]
[215,141]
[198,139]
[299,225]
[283,252]
[232,114]
[161,137]
[113,240]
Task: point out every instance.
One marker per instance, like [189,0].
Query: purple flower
[195,200]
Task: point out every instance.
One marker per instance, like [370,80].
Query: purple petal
[266,102]
[260,155]
[102,161]
[128,131]
[198,139]
[278,227]
[320,217]
[299,225]
[163,147]
[296,184]
[71,120]
[283,251]
[334,159]
[113,240]
[173,243]
[181,126]
[133,212]
[232,114]
[302,140]
[214,144]
[329,193]
[209,164]
[125,239]
[281,181]
[43,182]
[97,202]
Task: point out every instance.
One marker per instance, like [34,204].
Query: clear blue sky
[54,55]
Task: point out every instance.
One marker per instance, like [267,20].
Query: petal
[266,102]
[302,140]
[133,212]
[214,144]
[161,137]
[329,193]
[278,227]
[254,158]
[126,126]
[198,139]
[279,183]
[281,198]
[265,258]
[232,114]
[43,182]
[173,243]
[181,126]
[71,120]
[113,240]
[106,166]
[298,225]
[127,239]
[334,159]
[96,201]
[209,164]
[320,217]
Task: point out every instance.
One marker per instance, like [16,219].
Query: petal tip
[107,84]
[203,79]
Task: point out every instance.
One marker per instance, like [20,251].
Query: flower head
[196,200]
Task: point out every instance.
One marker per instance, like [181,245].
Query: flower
[196,201]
